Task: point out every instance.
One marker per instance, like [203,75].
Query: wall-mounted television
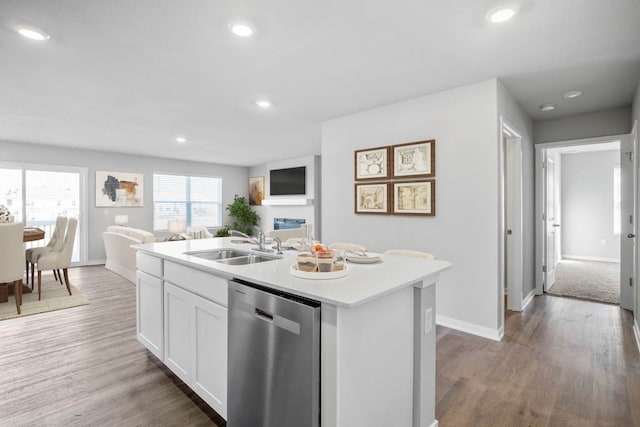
[288,182]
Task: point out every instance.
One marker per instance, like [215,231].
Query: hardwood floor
[562,362]
[84,366]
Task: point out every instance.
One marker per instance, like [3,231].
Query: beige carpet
[591,280]
[54,297]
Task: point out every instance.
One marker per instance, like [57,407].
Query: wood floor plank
[562,362]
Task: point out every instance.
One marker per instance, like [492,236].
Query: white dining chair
[56,260]
[11,236]
[55,244]
[406,252]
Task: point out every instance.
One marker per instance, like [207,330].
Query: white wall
[463,121]
[310,213]
[614,121]
[235,181]
[636,117]
[515,117]
[587,205]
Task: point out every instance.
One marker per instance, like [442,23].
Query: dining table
[31,234]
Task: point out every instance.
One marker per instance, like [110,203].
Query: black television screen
[286,182]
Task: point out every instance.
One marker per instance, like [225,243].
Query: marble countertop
[364,282]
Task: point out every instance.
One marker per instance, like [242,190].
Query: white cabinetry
[149,300]
[195,332]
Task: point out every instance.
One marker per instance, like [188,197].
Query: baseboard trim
[590,258]
[434,423]
[636,333]
[470,328]
[527,300]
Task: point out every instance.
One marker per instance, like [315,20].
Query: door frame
[511,216]
[83,173]
[540,155]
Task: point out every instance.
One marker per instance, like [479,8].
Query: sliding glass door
[38,194]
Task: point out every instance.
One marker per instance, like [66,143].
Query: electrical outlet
[428,320]
[603,242]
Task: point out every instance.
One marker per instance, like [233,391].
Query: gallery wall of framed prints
[396,180]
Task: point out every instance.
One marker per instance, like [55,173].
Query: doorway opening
[585,215]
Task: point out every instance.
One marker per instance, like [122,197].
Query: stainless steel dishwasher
[274,358]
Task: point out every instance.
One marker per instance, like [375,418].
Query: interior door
[513,221]
[551,222]
[628,220]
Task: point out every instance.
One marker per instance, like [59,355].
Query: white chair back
[56,240]
[12,252]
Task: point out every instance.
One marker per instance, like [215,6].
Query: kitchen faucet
[261,240]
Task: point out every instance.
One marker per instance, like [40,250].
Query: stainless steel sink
[248,259]
[231,256]
[217,254]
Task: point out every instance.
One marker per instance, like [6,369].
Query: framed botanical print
[373,198]
[414,159]
[414,197]
[372,163]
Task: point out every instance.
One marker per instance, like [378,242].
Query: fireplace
[285,223]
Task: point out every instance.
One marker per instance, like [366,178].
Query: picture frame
[414,159]
[256,190]
[371,164]
[119,189]
[414,197]
[372,198]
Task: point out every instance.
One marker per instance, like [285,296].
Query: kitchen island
[377,357]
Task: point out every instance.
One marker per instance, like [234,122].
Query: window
[37,195]
[195,199]
[617,200]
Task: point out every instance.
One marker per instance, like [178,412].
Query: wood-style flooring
[562,362]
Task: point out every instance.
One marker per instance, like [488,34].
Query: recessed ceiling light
[502,13]
[181,139]
[547,107]
[32,33]
[572,94]
[263,103]
[241,30]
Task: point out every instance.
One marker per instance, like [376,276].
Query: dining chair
[11,236]
[56,260]
[55,244]
[406,252]
[353,247]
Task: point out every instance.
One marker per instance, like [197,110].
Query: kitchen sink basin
[218,254]
[231,256]
[247,259]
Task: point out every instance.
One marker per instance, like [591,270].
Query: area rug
[590,280]
[54,297]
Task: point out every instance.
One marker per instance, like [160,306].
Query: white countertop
[364,282]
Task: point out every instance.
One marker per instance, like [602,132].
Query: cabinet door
[210,364]
[149,323]
[178,333]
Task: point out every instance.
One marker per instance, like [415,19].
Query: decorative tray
[339,270]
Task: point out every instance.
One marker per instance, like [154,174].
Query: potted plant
[244,218]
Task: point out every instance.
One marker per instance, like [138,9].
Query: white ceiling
[131,75]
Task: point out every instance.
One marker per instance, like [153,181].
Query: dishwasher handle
[263,315]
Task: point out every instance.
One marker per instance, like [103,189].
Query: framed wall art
[414,197]
[256,190]
[373,198]
[119,189]
[372,163]
[414,159]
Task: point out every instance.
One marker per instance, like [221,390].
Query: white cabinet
[149,322]
[196,344]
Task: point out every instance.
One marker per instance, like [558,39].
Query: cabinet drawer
[206,285]
[149,264]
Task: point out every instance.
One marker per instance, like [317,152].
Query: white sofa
[286,234]
[121,258]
